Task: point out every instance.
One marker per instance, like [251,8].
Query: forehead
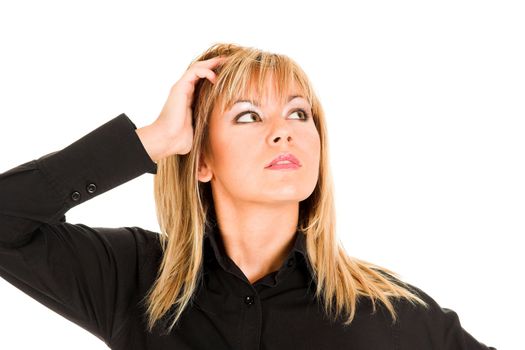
[256,102]
[271,93]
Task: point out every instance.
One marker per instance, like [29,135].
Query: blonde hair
[184,205]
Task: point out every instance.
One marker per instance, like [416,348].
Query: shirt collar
[214,248]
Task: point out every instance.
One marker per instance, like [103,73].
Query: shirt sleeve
[86,274]
[436,327]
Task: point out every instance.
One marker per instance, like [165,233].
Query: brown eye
[248,113]
[302,113]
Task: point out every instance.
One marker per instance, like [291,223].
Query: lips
[284,157]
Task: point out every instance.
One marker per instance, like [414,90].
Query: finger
[214,61]
[200,72]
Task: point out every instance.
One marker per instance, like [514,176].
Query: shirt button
[91,188]
[290,262]
[75,196]
[249,299]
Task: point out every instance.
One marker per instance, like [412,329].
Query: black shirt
[96,276]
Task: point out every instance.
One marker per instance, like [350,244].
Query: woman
[247,256]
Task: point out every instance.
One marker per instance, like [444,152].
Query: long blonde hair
[184,205]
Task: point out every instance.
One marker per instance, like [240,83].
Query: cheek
[312,142]
[235,156]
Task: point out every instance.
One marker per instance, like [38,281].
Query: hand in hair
[172,132]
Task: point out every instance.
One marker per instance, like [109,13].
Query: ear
[204,172]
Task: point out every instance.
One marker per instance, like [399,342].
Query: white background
[425,109]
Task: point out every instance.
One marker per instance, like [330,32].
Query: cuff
[105,158]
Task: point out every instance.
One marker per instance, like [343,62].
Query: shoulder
[432,325]
[148,247]
[429,300]
[429,326]
[416,311]
[144,236]
[412,314]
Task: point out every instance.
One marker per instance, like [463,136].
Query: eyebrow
[256,104]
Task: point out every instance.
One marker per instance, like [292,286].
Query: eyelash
[306,115]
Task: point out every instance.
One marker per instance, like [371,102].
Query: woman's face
[243,143]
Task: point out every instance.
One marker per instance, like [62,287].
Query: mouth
[283,161]
[282,166]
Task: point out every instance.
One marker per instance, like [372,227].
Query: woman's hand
[172,132]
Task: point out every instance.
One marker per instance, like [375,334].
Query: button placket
[251,328]
[249,300]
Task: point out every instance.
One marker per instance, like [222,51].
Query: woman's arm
[89,275]
[86,274]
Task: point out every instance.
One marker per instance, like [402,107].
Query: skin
[257,209]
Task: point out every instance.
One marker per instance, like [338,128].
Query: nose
[281,131]
[277,138]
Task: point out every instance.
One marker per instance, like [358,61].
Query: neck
[258,238]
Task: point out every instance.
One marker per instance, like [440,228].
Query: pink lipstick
[284,161]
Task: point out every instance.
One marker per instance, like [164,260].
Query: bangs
[248,77]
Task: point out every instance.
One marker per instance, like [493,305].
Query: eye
[248,113]
[301,112]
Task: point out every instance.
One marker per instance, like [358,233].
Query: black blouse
[97,276]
